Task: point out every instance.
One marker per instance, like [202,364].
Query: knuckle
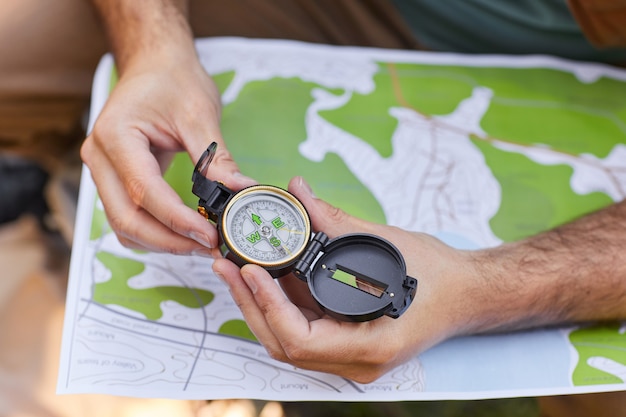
[123,224]
[369,376]
[277,354]
[296,352]
[124,236]
[118,224]
[223,156]
[86,150]
[127,243]
[96,137]
[136,189]
[173,250]
[336,215]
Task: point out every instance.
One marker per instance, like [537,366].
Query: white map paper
[475,150]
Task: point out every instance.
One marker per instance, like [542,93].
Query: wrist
[445,305]
[144,34]
[470,292]
[510,293]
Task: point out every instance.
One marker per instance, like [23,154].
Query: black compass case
[377,283]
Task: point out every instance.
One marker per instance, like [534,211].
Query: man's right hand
[164,103]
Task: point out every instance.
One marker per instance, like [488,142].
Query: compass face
[266,225]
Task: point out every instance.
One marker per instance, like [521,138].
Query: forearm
[574,273]
[141,31]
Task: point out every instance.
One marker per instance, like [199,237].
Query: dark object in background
[22,184]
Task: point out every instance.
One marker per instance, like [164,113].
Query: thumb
[202,127]
[324,217]
[223,167]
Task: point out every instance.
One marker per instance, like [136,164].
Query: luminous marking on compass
[253,237]
[294,231]
[368,285]
[278,223]
[266,226]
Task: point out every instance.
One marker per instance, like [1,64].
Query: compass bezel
[289,199]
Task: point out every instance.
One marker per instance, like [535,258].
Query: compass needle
[295,231]
[286,249]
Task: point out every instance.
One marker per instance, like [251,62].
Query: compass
[355,277]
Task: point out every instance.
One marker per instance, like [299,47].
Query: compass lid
[203,163]
[361,277]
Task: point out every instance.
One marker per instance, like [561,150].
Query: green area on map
[604,342]
[146,301]
[530,107]
[237,328]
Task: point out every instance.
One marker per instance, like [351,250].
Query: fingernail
[249,280]
[305,185]
[201,239]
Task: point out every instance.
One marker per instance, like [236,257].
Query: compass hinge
[213,196]
[312,251]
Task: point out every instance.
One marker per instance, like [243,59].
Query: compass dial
[266,225]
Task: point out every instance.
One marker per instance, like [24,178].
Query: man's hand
[295,331]
[570,274]
[163,103]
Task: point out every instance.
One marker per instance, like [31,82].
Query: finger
[134,226]
[271,303]
[164,159]
[298,293]
[140,174]
[287,333]
[224,169]
[325,217]
[335,222]
[201,127]
[359,351]
[137,229]
[243,296]
[326,344]
[282,318]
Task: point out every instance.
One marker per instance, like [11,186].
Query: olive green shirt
[502,27]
